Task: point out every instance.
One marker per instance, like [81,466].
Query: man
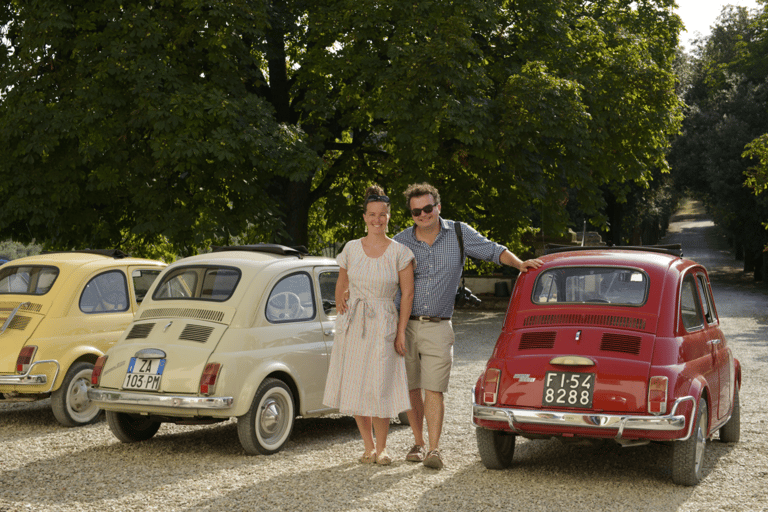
[429,334]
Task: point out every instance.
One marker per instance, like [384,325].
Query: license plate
[566,389]
[144,374]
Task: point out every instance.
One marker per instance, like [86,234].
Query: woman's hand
[400,343]
[341,306]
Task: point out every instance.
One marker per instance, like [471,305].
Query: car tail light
[97,369]
[25,358]
[208,379]
[657,395]
[491,386]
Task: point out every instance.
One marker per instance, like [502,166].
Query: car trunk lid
[18,320]
[549,367]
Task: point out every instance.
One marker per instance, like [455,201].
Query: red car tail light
[97,369]
[208,379]
[25,358]
[491,386]
[657,395]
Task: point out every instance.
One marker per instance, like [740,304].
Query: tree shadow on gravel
[549,475]
[168,459]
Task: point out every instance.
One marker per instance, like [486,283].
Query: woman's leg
[364,425]
[381,427]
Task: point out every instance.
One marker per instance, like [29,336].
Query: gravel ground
[44,466]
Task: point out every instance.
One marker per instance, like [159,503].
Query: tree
[194,122]
[727,100]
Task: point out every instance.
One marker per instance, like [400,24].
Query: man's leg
[434,411]
[416,417]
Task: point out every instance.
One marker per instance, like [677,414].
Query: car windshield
[204,283]
[27,280]
[591,285]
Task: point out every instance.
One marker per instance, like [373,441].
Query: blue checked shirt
[438,269]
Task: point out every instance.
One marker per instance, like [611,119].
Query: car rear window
[580,285]
[203,283]
[27,280]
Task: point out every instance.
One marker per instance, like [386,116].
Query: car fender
[243,383]
[698,388]
[78,353]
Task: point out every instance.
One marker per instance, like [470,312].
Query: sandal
[383,458]
[369,457]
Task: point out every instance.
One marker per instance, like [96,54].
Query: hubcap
[270,417]
[81,408]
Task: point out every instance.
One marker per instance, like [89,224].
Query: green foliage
[726,124]
[11,250]
[191,123]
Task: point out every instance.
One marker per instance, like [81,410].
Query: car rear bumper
[28,379]
[572,420]
[171,402]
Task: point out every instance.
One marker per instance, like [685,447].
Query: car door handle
[329,332]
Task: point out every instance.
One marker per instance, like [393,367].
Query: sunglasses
[373,198]
[427,209]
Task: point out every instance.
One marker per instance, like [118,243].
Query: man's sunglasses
[427,209]
[373,198]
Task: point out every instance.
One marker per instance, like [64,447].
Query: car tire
[731,431]
[268,424]
[496,447]
[688,455]
[131,428]
[70,403]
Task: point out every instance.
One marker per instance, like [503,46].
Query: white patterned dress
[366,376]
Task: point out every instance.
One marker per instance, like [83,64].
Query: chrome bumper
[168,401]
[27,379]
[671,421]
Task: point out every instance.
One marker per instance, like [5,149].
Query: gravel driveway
[44,466]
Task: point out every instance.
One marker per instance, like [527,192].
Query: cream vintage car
[242,332]
[58,313]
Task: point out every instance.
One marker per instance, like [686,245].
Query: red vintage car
[619,343]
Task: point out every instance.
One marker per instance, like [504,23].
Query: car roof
[648,258]
[74,259]
[233,256]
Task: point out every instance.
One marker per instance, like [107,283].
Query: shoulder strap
[460,237]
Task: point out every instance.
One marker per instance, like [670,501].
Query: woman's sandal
[383,459]
[369,457]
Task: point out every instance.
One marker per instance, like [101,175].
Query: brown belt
[429,318]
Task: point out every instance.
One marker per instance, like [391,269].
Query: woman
[366,377]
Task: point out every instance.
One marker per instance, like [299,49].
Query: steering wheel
[287,308]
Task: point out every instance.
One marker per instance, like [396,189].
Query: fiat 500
[242,332]
[58,313]
[619,343]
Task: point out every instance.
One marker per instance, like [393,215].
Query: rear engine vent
[139,331]
[198,314]
[199,333]
[620,343]
[578,319]
[19,322]
[537,340]
[7,307]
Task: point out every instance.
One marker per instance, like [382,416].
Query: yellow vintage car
[58,313]
[242,332]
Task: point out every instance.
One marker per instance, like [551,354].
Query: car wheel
[267,425]
[731,431]
[70,403]
[496,448]
[131,428]
[688,455]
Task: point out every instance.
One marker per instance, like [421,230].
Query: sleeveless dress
[366,376]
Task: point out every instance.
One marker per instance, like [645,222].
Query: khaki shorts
[429,354]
